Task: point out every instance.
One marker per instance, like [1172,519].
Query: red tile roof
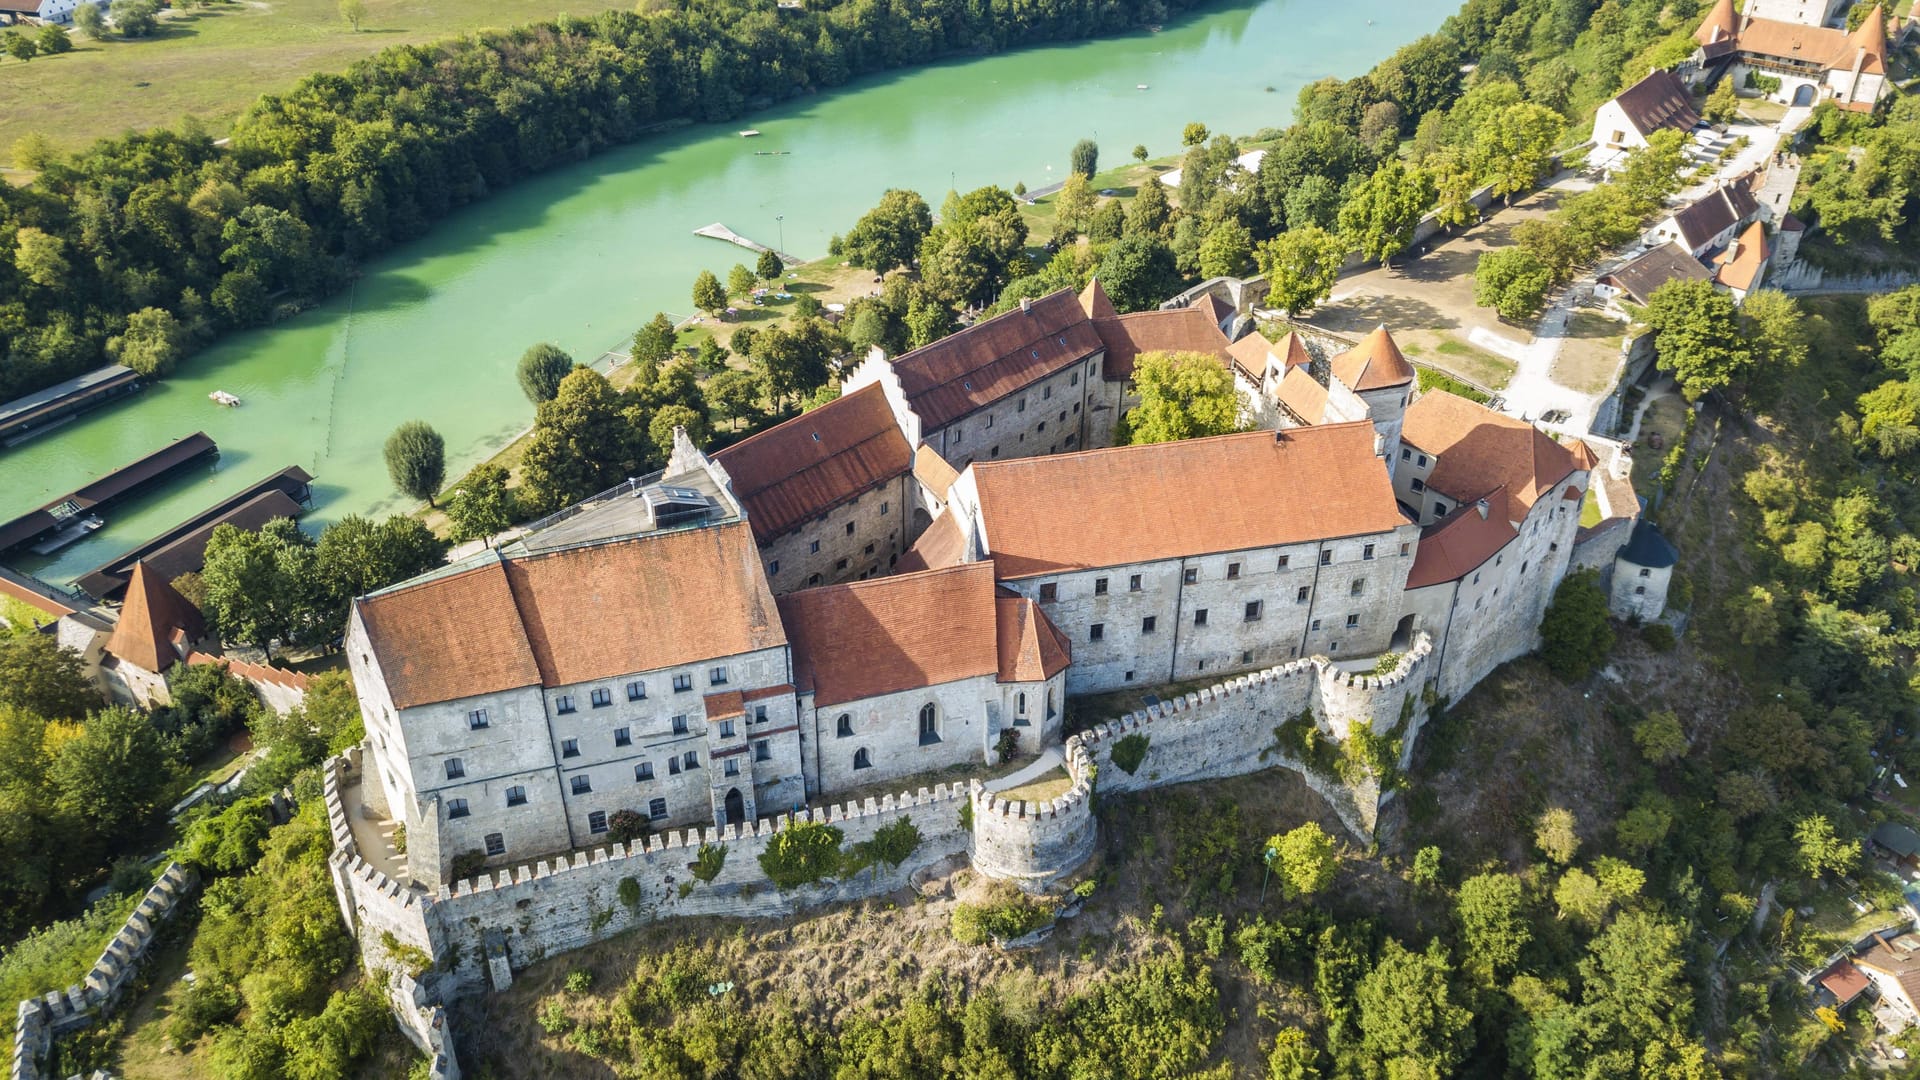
[892,634]
[1844,981]
[1374,364]
[1479,450]
[150,615]
[996,357]
[1250,355]
[794,472]
[1658,101]
[1462,542]
[943,544]
[1722,22]
[574,615]
[1189,329]
[933,471]
[43,604]
[1093,301]
[1032,649]
[1303,396]
[1170,500]
[1744,259]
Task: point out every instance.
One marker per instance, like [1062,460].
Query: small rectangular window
[477,719]
[656,808]
[563,703]
[679,725]
[1406,454]
[840,564]
[773,568]
[690,759]
[1421,461]
[597,821]
[718,675]
[455,768]
[1149,624]
[636,691]
[516,796]
[1403,550]
[849,528]
[1046,392]
[569,748]
[1326,558]
[602,698]
[1300,597]
[1418,484]
[726,729]
[1253,611]
[1099,586]
[1367,552]
[759,714]
[1097,632]
[732,767]
[1133,583]
[582,784]
[1200,617]
[1284,559]
[1439,509]
[1191,575]
[1356,587]
[813,547]
[496,845]
[622,736]
[1314,627]
[643,771]
[883,508]
[1233,571]
[673,766]
[456,808]
[762,750]
[1353,621]
[1049,591]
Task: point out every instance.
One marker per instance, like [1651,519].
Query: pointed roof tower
[1374,364]
[1093,300]
[1721,24]
[152,617]
[1870,41]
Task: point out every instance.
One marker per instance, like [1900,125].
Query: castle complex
[917,576]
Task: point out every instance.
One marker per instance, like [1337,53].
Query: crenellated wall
[38,1021]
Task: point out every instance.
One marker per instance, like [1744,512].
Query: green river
[582,256]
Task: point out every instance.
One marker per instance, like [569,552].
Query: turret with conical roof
[1378,374]
[157,625]
[1721,24]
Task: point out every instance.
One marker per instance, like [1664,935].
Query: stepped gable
[1093,301]
[1721,24]
[1192,329]
[1741,263]
[1463,541]
[573,615]
[1135,504]
[985,362]
[943,544]
[1032,649]
[891,634]
[1479,451]
[1374,364]
[1657,102]
[796,471]
[152,618]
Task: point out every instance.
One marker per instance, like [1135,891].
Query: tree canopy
[1183,395]
[416,460]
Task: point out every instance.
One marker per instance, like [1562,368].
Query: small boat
[221,397]
[1140,86]
[749,133]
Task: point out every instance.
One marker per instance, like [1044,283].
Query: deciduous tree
[1575,636]
[261,585]
[1660,737]
[580,444]
[482,506]
[890,234]
[1556,836]
[1408,1018]
[38,675]
[1513,149]
[1085,159]
[20,46]
[769,266]
[1074,205]
[89,20]
[1511,281]
[152,342]
[355,556]
[1380,215]
[135,18]
[1138,272]
[1493,923]
[353,12]
[540,371]
[740,281]
[735,394]
[1820,849]
[1697,336]
[1183,395]
[1301,266]
[416,460]
[1303,860]
[1227,250]
[708,294]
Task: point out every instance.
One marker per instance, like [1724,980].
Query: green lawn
[215,62]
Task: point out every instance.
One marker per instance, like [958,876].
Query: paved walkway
[1050,759]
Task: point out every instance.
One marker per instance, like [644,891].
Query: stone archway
[736,807]
[1803,95]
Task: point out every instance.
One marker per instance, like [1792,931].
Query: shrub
[1129,752]
[1575,635]
[802,854]
[412,959]
[1658,636]
[891,844]
[1007,745]
[1008,914]
[206,1004]
[1386,664]
[1432,379]
[630,892]
[553,1017]
[467,864]
[626,826]
[707,864]
[579,981]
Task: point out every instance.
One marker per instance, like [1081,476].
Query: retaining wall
[38,1021]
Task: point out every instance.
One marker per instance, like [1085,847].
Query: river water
[582,256]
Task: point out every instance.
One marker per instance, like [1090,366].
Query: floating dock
[23,418]
[183,548]
[67,513]
[720,232]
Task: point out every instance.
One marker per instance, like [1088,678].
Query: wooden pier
[720,232]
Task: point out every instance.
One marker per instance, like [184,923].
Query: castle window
[849,528]
[456,808]
[1191,575]
[563,704]
[1644,572]
[1020,703]
[476,719]
[989,419]
[1042,427]
[1073,379]
[582,784]
[759,714]
[682,683]
[1050,709]
[1315,627]
[1326,557]
[1071,439]
[1421,461]
[1639,590]
[1476,577]
[1282,564]
[1439,509]
[773,568]
[496,845]
[1357,587]
[1524,565]
[1063,416]
[1300,597]
[636,691]
[1128,677]
[869,550]
[813,579]
[862,759]
[1049,591]
[569,748]
[1097,632]
[1149,624]
[1406,454]
[1046,392]
[717,676]
[597,822]
[602,698]
[643,771]
[1367,552]
[993,452]
[1021,405]
[690,759]
[844,728]
[1404,548]
[1233,570]
[1253,611]
[1247,657]
[1419,484]
[1333,647]
[1353,621]
[673,766]
[516,796]
[679,725]
[883,508]
[455,768]
[732,767]
[1133,583]
[840,565]
[726,729]
[1200,617]
[813,547]
[762,750]
[929,724]
[622,737]
[656,808]
[1099,586]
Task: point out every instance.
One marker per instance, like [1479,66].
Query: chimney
[1026,305]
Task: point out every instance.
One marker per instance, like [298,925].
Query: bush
[708,863]
[467,864]
[206,1004]
[802,854]
[626,826]
[579,981]
[1129,752]
[60,954]
[1008,914]
[630,892]
[1658,636]
[891,844]
[1575,636]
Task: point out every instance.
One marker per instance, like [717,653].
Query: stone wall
[38,1021]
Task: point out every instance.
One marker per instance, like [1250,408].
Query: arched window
[862,760]
[1050,712]
[929,724]
[845,726]
[1020,703]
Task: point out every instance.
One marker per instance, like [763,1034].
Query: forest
[142,248]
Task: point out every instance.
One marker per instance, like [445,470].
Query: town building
[1810,62]
[1892,963]
[1710,222]
[1659,102]
[1743,265]
[1637,278]
[1804,12]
